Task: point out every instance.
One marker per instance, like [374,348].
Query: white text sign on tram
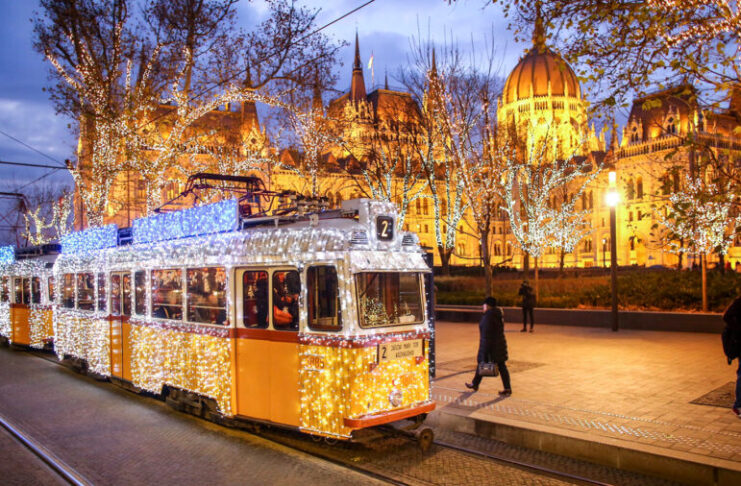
[400,349]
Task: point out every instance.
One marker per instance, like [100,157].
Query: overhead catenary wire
[31,148]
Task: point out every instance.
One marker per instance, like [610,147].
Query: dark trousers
[525,312]
[503,372]
[737,403]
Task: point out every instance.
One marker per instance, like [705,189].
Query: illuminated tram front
[313,322]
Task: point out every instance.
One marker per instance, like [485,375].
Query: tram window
[321,286]
[389,299]
[102,301]
[255,299]
[140,293]
[18,291]
[68,290]
[5,295]
[51,290]
[286,287]
[35,290]
[116,294]
[85,291]
[167,294]
[126,294]
[206,295]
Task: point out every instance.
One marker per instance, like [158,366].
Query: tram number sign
[385,228]
[399,349]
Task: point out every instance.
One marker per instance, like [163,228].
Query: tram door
[120,327]
[267,344]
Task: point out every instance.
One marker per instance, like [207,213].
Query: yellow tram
[315,321]
[27,294]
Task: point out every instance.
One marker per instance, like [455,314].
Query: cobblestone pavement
[20,467]
[631,385]
[114,437]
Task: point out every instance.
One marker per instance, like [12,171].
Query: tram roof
[215,234]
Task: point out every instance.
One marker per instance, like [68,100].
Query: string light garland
[90,239]
[212,218]
[7,255]
[338,376]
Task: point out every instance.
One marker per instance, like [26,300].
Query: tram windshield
[389,299]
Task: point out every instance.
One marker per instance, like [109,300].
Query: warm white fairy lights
[339,376]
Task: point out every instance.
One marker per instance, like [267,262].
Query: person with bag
[731,338]
[492,347]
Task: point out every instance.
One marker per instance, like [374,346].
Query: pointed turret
[249,109]
[316,100]
[433,69]
[357,86]
[386,80]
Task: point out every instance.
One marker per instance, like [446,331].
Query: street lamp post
[613,198]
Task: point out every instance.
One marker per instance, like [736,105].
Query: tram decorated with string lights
[305,318]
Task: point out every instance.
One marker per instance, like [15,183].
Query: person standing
[732,345]
[528,304]
[492,345]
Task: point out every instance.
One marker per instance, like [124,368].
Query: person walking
[492,345]
[732,345]
[528,304]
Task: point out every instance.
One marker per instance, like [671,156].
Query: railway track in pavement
[396,458]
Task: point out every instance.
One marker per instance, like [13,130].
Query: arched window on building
[509,249]
[671,125]
[583,201]
[675,181]
[591,199]
[632,240]
[497,249]
[630,192]
[426,207]
[639,188]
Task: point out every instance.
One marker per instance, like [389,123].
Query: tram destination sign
[399,349]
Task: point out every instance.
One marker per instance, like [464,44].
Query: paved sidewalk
[629,390]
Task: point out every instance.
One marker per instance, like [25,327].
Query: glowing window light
[212,218]
[7,254]
[90,239]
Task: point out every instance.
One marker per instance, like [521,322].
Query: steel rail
[54,462]
[526,465]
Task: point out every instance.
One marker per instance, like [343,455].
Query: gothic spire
[386,80]
[357,86]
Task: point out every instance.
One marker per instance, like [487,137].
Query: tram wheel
[424,437]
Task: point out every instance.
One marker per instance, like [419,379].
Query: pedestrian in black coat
[528,304]
[492,345]
[732,345]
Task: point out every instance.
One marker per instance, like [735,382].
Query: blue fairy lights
[218,217]
[90,239]
[7,255]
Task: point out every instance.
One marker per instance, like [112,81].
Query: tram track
[358,458]
[57,465]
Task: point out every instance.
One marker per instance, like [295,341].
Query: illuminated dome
[535,71]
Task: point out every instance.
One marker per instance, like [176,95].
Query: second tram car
[314,321]
[26,295]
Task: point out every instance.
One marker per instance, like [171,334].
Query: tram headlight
[395,397]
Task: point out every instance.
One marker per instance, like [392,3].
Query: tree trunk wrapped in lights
[701,220]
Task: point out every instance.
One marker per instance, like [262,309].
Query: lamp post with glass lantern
[612,198]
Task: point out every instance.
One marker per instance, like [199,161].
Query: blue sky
[385,28]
